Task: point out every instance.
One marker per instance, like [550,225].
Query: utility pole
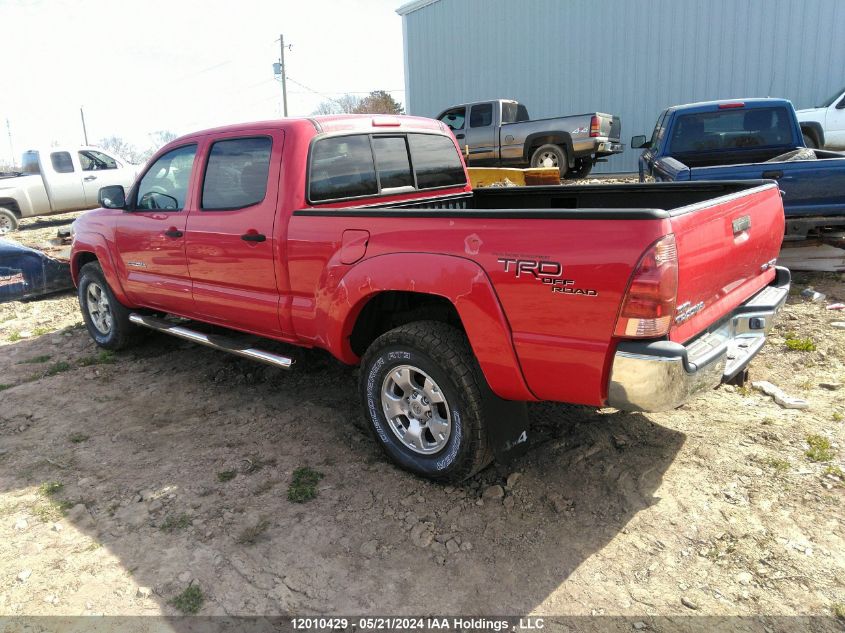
[282,72]
[84,131]
[11,147]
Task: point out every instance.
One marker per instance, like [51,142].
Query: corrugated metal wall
[627,57]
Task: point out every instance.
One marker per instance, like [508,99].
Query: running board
[212,340]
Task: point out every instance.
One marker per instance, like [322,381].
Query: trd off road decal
[547,272]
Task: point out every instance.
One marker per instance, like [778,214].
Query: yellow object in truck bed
[488,176]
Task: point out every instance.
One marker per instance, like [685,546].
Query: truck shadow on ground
[177,461]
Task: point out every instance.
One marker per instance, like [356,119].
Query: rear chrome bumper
[662,375]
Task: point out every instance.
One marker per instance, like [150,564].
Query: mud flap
[507,427]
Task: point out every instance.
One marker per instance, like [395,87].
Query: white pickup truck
[824,126]
[58,180]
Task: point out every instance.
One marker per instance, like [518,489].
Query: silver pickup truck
[500,133]
[57,180]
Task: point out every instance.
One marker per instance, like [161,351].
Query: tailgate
[614,131]
[726,251]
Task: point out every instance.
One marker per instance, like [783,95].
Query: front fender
[461,281]
[95,243]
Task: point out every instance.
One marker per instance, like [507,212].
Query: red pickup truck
[362,236]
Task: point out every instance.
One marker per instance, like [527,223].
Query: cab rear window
[362,165]
[731,129]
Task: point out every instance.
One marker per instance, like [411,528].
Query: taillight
[649,304]
[595,126]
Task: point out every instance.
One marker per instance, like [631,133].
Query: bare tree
[162,137]
[379,102]
[345,104]
[119,146]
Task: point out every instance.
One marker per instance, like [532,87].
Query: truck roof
[333,123]
[704,106]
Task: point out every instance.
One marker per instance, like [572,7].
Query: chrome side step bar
[212,340]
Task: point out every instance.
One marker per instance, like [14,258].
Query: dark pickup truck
[746,140]
[500,133]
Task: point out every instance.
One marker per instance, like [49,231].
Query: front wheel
[550,156]
[8,221]
[582,169]
[105,317]
[422,394]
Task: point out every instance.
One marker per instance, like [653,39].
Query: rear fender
[94,243]
[813,129]
[461,281]
[564,139]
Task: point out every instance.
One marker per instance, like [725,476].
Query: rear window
[513,112]
[346,166]
[30,165]
[342,167]
[62,162]
[436,162]
[392,162]
[731,129]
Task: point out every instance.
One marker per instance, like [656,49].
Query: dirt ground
[127,478]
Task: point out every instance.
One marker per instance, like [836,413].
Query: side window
[62,162]
[481,115]
[342,167]
[455,118]
[165,185]
[236,173]
[95,161]
[394,166]
[436,161]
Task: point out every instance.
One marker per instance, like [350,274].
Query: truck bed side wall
[562,338]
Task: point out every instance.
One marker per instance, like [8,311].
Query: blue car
[26,273]
[750,139]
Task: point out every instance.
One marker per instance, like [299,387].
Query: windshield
[829,102]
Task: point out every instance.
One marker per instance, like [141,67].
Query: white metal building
[627,57]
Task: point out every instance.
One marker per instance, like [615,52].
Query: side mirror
[112,197]
[638,142]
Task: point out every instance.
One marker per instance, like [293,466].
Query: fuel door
[354,245]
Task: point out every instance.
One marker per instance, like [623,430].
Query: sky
[137,67]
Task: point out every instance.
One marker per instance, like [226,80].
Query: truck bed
[591,236]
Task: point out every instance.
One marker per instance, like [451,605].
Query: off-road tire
[556,150]
[442,352]
[122,332]
[8,221]
[582,169]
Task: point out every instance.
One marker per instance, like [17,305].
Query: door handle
[174,233]
[773,174]
[253,237]
[89,178]
[460,136]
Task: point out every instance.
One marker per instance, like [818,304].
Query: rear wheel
[582,169]
[105,317]
[422,394]
[550,156]
[809,141]
[8,221]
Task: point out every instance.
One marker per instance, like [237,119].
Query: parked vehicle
[750,139]
[361,235]
[26,273]
[58,180]
[500,133]
[824,125]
